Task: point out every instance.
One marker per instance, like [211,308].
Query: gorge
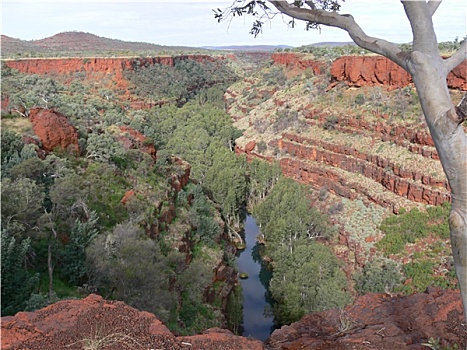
[258,321]
[353,135]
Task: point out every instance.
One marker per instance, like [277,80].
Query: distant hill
[247,47]
[80,43]
[333,43]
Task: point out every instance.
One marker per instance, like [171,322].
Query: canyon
[349,151]
[335,155]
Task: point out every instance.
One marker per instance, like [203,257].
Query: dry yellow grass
[19,125]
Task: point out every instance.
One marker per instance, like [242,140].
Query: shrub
[360,99]
[378,276]
[407,227]
[330,122]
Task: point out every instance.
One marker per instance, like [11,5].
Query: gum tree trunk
[450,140]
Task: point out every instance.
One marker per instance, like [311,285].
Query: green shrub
[378,276]
[330,123]
[421,275]
[360,99]
[407,227]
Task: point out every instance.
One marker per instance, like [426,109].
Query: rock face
[373,322]
[380,322]
[378,70]
[372,155]
[73,324]
[53,129]
[412,184]
[95,68]
[296,61]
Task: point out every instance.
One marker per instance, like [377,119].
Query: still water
[258,321]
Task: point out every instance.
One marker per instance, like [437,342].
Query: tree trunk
[429,76]
[50,269]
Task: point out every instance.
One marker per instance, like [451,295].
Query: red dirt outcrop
[378,70]
[71,324]
[380,322]
[53,129]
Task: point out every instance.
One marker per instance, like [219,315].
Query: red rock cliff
[373,322]
[378,70]
[96,68]
[298,61]
[380,322]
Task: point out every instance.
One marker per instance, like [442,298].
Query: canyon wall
[95,68]
[378,70]
[395,165]
[297,61]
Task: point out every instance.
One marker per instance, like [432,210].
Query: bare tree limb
[457,58]
[424,37]
[433,6]
[347,23]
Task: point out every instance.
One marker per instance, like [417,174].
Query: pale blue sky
[191,22]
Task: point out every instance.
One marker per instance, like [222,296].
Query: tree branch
[347,23]
[424,37]
[311,4]
[457,58]
[433,6]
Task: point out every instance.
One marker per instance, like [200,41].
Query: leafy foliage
[407,227]
[307,280]
[17,284]
[306,275]
[74,268]
[287,217]
[161,82]
[378,276]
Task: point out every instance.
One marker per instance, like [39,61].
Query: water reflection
[258,321]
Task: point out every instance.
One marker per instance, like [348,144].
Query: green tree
[131,266]
[17,284]
[235,309]
[378,276]
[226,180]
[74,268]
[262,177]
[25,199]
[308,280]
[11,143]
[104,147]
[286,217]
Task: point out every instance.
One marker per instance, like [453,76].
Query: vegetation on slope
[69,206]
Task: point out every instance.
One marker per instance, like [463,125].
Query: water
[256,323]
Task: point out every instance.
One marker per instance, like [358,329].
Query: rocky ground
[373,322]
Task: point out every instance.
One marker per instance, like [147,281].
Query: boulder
[71,324]
[380,322]
[54,130]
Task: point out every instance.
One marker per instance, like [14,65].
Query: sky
[192,23]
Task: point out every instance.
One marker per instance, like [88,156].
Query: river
[258,321]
